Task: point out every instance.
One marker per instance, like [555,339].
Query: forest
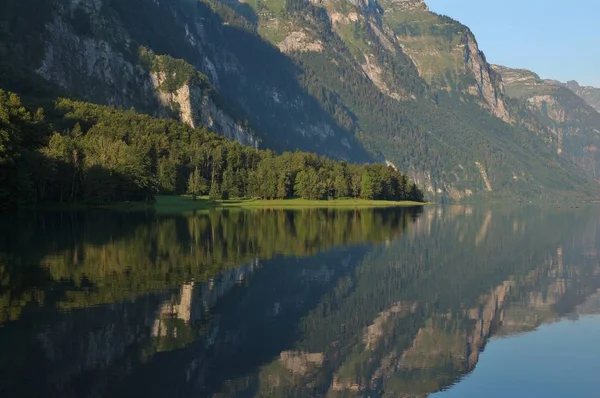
[80,152]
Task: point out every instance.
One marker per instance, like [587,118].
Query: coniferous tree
[196,184]
[367,190]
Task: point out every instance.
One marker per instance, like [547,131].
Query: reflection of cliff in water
[83,352]
[404,318]
[552,282]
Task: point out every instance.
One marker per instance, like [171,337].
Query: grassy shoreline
[303,203]
[187,203]
[174,203]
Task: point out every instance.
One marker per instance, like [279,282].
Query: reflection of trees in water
[92,257]
[408,317]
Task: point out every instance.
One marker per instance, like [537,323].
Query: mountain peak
[409,5]
[590,94]
[512,75]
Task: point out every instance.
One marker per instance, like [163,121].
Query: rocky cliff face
[489,87]
[446,53]
[556,113]
[193,104]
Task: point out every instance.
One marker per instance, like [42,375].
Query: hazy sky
[558,39]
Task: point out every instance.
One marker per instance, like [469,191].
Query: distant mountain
[567,122]
[364,81]
[591,95]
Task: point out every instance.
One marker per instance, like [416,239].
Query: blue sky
[557,39]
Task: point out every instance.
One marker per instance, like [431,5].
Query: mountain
[591,95]
[567,122]
[359,80]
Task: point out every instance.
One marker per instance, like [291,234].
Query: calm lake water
[453,301]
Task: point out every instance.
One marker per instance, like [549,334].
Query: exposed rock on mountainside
[569,125]
[591,95]
[185,92]
[300,41]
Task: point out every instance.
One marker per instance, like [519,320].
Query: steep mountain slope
[356,80]
[590,94]
[445,53]
[433,106]
[556,113]
[91,49]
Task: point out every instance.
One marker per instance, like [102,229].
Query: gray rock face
[491,92]
[93,68]
[196,108]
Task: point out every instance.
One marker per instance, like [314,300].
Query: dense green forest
[76,151]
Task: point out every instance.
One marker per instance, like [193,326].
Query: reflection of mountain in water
[430,303]
[135,263]
[406,318]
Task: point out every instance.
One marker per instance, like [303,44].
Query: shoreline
[166,202]
[186,203]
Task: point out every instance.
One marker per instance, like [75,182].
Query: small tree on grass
[217,193]
[196,184]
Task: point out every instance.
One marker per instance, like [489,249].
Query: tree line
[76,151]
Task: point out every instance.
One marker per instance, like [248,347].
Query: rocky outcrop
[484,176]
[410,5]
[375,72]
[550,106]
[489,87]
[300,41]
[93,69]
[516,76]
[196,108]
[301,362]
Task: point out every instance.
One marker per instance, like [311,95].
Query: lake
[454,301]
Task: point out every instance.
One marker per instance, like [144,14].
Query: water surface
[452,301]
